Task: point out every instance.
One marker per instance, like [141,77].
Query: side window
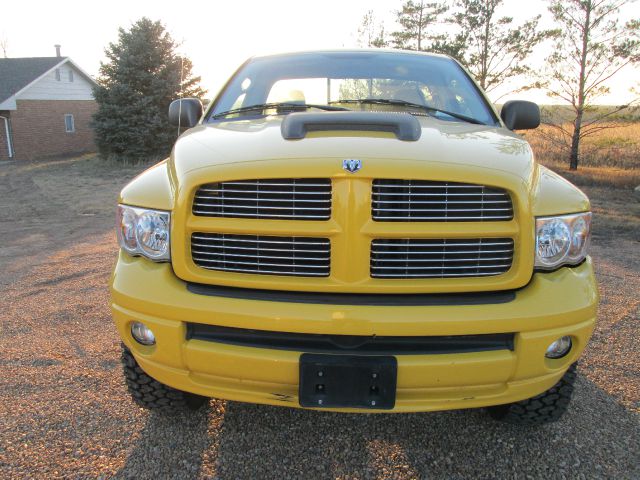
[69,125]
[57,74]
[70,75]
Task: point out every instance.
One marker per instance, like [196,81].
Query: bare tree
[4,46]
[594,45]
[371,32]
[416,19]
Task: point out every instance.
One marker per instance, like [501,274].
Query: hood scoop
[404,126]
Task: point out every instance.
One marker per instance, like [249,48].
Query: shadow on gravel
[597,438]
[169,447]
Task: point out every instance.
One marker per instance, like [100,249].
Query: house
[46,104]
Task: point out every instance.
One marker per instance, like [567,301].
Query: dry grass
[610,157]
[598,176]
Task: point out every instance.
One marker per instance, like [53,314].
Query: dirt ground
[64,410]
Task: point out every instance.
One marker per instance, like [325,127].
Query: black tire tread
[153,395]
[546,407]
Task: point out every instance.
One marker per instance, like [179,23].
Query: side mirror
[185,112]
[520,115]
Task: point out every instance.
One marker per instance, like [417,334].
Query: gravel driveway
[64,411]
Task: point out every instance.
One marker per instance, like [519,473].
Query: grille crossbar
[286,199]
[421,200]
[294,256]
[440,258]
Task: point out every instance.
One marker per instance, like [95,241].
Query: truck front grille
[440,258]
[269,255]
[423,201]
[283,198]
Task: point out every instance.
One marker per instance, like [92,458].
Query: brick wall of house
[39,128]
[4,152]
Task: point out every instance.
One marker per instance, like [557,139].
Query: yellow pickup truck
[354,231]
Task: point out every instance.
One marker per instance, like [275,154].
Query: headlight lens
[152,233]
[127,229]
[562,240]
[144,232]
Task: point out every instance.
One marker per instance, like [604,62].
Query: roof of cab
[351,51]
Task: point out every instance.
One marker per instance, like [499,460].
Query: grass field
[610,157]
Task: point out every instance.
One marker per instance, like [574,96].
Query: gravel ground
[64,411]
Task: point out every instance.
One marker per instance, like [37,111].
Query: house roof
[17,73]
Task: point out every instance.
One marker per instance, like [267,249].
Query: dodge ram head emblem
[352,165]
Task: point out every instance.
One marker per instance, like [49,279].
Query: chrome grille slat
[451,275]
[253,207]
[449,210]
[228,190]
[424,200]
[239,255]
[282,198]
[254,254]
[450,242]
[433,202]
[440,258]
[230,247]
[451,252]
[232,238]
[424,184]
[262,199]
[262,264]
[421,267]
[271,184]
[269,272]
[413,194]
[264,215]
[414,218]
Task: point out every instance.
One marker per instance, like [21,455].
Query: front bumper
[550,306]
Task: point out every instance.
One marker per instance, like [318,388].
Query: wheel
[153,395]
[547,407]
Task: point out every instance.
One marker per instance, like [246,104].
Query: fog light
[142,334]
[559,348]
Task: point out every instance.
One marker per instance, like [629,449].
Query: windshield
[419,84]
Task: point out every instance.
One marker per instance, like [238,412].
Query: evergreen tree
[416,20]
[491,46]
[140,78]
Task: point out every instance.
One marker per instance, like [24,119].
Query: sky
[219,35]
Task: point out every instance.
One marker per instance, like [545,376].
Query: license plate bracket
[348,381]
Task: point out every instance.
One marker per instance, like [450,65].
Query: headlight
[562,240]
[144,232]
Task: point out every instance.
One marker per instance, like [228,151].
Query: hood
[448,142]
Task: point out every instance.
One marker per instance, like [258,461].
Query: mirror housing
[185,112]
[520,115]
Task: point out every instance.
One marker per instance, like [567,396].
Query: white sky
[218,36]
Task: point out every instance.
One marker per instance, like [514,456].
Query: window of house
[69,124]
[57,74]
[70,75]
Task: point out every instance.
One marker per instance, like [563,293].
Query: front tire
[547,407]
[153,395]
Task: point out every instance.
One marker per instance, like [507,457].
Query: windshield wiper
[404,103]
[279,106]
